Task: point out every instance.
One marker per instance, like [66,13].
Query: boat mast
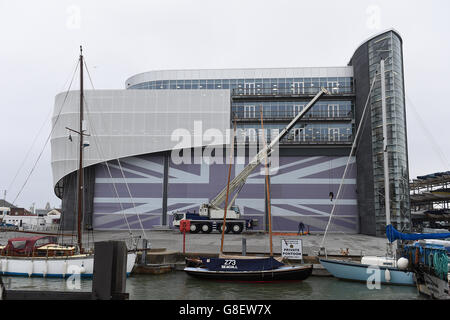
[385,151]
[80,167]
[269,217]
[387,202]
[228,187]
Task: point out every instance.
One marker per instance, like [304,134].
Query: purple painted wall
[299,192]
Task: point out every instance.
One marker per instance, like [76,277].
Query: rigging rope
[440,264]
[442,157]
[355,142]
[109,171]
[29,151]
[132,200]
[101,154]
[48,138]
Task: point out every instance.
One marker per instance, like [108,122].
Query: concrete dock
[166,245]
[172,240]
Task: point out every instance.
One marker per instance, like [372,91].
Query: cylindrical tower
[370,182]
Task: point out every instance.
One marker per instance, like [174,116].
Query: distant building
[7,208]
[6,204]
[20,212]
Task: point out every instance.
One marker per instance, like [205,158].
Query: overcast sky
[40,46]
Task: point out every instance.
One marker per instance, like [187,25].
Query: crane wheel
[206,228]
[227,228]
[194,228]
[236,228]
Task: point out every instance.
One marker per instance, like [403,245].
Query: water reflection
[180,286]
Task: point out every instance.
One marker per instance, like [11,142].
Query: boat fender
[402,263]
[5,265]
[44,272]
[64,270]
[30,269]
[387,275]
[82,269]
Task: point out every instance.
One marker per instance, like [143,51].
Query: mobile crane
[211,214]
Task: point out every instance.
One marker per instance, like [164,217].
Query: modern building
[156,134]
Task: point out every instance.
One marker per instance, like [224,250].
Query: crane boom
[240,179]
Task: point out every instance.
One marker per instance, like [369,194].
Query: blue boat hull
[362,272]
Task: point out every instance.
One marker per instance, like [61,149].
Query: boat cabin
[38,246]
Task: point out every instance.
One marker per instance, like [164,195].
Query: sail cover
[219,264]
[392,234]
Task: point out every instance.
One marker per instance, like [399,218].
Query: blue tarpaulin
[392,234]
[259,264]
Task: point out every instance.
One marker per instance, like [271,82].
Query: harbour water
[179,286]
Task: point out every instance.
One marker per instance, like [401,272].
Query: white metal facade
[123,123]
[240,74]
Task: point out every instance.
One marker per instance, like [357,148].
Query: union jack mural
[129,193]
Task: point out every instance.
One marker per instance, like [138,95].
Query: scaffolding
[430,201]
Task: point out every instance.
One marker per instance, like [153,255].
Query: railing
[292,91]
[303,139]
[253,114]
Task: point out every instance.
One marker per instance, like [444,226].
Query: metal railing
[303,139]
[292,91]
[251,114]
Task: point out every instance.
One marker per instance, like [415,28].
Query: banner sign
[292,249]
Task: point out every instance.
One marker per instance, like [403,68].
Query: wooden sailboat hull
[285,273]
[54,267]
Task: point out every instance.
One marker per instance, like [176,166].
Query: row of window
[337,132]
[294,83]
[290,109]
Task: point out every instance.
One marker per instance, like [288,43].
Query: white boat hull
[362,272]
[55,267]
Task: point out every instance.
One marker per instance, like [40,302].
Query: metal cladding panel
[346,71]
[299,192]
[123,123]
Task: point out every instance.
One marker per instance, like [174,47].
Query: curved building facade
[161,145]
[371,205]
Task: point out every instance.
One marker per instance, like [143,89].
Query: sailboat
[391,270]
[42,256]
[246,268]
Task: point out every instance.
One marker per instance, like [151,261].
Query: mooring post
[144,252]
[1,288]
[110,270]
[244,246]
